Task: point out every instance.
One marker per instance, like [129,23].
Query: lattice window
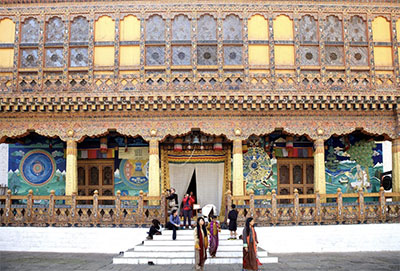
[55,30]
[333,29]
[30,31]
[79,30]
[155,41]
[309,47]
[207,28]
[233,40]
[181,40]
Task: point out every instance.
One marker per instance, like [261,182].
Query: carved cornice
[305,124]
[190,102]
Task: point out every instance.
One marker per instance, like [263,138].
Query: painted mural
[37,163]
[132,175]
[352,163]
[259,171]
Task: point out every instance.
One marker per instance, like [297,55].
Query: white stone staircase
[163,250]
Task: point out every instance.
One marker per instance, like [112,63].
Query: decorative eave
[119,102]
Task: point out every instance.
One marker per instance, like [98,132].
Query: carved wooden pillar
[237,183]
[154,169]
[71,182]
[319,167]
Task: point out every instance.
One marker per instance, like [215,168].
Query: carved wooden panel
[309,55]
[79,30]
[79,57]
[207,28]
[357,29]
[233,55]
[55,29]
[155,55]
[358,56]
[206,55]
[29,58]
[333,29]
[30,31]
[54,57]
[308,29]
[181,55]
[181,28]
[334,55]
[155,29]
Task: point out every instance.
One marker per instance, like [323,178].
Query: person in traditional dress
[214,229]
[250,261]
[232,221]
[200,244]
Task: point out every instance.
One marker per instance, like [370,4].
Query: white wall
[294,239]
[387,155]
[3,164]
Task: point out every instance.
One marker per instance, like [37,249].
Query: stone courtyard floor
[35,261]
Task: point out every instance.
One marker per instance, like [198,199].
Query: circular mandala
[134,173]
[257,165]
[37,167]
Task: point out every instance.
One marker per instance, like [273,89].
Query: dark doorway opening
[192,186]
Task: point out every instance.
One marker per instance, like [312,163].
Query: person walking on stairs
[200,244]
[214,229]
[250,261]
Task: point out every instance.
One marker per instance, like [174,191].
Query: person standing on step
[200,244]
[214,229]
[173,223]
[187,211]
[172,199]
[250,261]
[232,221]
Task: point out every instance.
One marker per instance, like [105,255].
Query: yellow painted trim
[258,55]
[6,58]
[258,28]
[283,28]
[104,56]
[130,29]
[383,56]
[104,29]
[129,56]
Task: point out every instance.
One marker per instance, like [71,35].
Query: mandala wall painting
[37,167]
[257,167]
[134,173]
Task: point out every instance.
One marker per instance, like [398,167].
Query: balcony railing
[320,209]
[139,211]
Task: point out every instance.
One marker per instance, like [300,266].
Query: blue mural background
[37,163]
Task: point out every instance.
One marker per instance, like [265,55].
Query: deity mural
[352,164]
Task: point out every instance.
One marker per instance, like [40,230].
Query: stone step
[181,248]
[188,242]
[179,236]
[160,260]
[185,254]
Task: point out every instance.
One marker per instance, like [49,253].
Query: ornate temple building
[203,96]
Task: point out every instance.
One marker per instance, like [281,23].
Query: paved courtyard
[311,261]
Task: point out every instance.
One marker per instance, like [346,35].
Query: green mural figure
[362,153]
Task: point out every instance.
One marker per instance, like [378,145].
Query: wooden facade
[155,69]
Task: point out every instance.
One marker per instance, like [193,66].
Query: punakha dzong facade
[289,110]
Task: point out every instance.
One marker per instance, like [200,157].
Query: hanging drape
[180,176]
[209,183]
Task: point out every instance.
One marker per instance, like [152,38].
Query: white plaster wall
[70,240]
[3,164]
[295,239]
